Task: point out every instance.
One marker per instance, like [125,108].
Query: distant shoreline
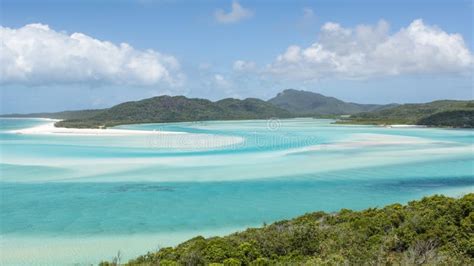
[51,129]
[398,125]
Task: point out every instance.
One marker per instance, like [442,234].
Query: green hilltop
[310,103]
[446,113]
[287,104]
[178,109]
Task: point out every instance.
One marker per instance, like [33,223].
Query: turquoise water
[80,199]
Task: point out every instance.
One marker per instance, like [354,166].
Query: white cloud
[367,51]
[243,66]
[292,54]
[38,55]
[236,14]
[221,82]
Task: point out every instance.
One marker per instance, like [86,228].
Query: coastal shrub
[260,262]
[435,230]
[232,262]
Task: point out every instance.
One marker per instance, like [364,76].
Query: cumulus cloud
[243,66]
[367,51]
[236,14]
[38,55]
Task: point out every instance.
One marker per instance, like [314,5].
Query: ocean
[72,199]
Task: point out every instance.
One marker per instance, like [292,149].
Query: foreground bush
[436,230]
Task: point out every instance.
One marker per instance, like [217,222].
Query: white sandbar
[50,129]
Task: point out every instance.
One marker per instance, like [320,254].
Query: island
[446,113]
[177,109]
[289,103]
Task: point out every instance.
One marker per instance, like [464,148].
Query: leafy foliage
[436,230]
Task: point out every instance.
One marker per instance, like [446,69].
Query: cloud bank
[236,14]
[371,51]
[38,55]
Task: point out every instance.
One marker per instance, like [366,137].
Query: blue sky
[194,51]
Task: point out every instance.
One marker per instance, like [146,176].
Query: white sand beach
[404,126]
[50,129]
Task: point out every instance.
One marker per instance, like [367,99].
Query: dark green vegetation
[436,230]
[455,118]
[438,113]
[177,109]
[305,103]
[287,104]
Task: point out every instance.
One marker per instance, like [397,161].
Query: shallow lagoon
[80,199]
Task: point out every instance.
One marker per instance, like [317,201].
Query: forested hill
[311,103]
[178,109]
[444,113]
[436,230]
[289,103]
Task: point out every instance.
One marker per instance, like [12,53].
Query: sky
[68,55]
